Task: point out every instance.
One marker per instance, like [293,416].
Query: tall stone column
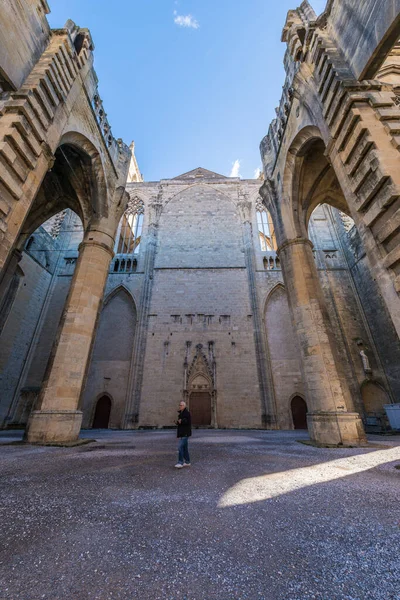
[57,418]
[330,418]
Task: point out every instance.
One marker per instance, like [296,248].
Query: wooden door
[299,413]
[102,413]
[200,408]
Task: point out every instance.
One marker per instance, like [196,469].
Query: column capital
[293,242]
[101,245]
[101,239]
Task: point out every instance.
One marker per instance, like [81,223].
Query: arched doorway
[102,413]
[200,393]
[200,408]
[299,412]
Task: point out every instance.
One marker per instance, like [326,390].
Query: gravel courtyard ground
[257,516]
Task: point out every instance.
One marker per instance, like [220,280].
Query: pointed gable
[200,173]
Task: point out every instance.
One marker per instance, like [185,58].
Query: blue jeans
[183,451]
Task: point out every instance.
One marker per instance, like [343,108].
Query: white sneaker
[186,464]
[178,466]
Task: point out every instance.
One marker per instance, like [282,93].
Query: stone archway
[299,411]
[200,392]
[111,355]
[102,413]
[308,177]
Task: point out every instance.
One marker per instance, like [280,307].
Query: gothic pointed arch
[283,352]
[200,368]
[121,288]
[96,186]
[265,227]
[308,180]
[111,358]
[201,390]
[129,236]
[279,286]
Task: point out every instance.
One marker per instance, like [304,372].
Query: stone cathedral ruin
[270,303]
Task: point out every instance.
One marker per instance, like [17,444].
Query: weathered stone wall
[377,318]
[19,329]
[48,331]
[24,34]
[347,309]
[201,295]
[365,31]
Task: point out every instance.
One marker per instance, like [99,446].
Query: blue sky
[193,82]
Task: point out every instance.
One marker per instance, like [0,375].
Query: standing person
[184,431]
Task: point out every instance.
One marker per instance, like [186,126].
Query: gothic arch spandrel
[199,185]
[98,190]
[200,227]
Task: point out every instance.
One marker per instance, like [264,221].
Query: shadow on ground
[257,516]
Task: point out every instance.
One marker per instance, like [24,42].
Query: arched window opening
[129,237]
[266,232]
[267,238]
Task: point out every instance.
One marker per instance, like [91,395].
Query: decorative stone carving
[135,206]
[200,366]
[347,221]
[365,362]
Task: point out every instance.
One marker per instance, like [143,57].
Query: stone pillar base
[53,426]
[336,429]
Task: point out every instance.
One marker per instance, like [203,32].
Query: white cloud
[235,172]
[185,21]
[257,173]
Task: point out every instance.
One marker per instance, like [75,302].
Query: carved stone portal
[199,387]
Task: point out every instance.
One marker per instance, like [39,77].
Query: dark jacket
[185,427]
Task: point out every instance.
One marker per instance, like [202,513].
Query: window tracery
[266,231]
[129,237]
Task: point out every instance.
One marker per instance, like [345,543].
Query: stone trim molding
[98,244]
[293,242]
